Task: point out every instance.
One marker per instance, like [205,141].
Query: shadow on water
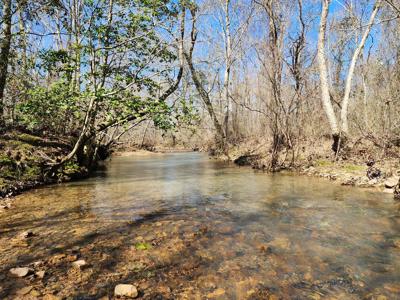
[184,227]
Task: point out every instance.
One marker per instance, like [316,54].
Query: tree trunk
[228,63]
[323,70]
[356,54]
[5,45]
[199,86]
[207,101]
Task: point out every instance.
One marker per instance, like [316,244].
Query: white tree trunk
[323,70]
[350,74]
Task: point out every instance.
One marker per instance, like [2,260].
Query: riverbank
[24,162]
[362,164]
[23,157]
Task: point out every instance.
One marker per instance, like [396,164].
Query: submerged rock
[79,264]
[40,274]
[126,290]
[20,272]
[24,290]
[216,293]
[72,258]
[51,297]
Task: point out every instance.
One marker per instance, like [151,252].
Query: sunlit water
[213,231]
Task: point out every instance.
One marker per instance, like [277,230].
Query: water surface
[182,226]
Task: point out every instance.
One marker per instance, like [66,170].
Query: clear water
[182,226]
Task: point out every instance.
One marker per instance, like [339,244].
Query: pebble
[24,290]
[40,274]
[72,258]
[393,288]
[126,290]
[216,293]
[35,293]
[38,263]
[20,272]
[51,297]
[79,264]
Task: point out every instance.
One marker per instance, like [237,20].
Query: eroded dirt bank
[25,163]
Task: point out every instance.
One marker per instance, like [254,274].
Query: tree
[337,131]
[5,45]
[220,134]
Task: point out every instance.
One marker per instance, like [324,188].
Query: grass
[347,167]
[324,163]
[353,168]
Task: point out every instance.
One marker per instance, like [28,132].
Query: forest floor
[23,164]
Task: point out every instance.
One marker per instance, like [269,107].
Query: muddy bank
[24,162]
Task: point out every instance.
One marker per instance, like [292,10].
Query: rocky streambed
[181,226]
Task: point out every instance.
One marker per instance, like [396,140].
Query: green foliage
[134,48]
[142,246]
[56,61]
[49,108]
[5,160]
[32,173]
[187,114]
[71,168]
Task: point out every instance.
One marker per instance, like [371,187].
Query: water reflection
[215,230]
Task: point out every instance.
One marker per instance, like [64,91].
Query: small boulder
[20,272]
[391,182]
[126,290]
[79,264]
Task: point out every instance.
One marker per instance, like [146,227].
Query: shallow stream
[182,226]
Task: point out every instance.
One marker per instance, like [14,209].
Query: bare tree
[220,134]
[324,81]
[350,73]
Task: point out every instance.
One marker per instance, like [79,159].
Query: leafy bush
[49,109]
